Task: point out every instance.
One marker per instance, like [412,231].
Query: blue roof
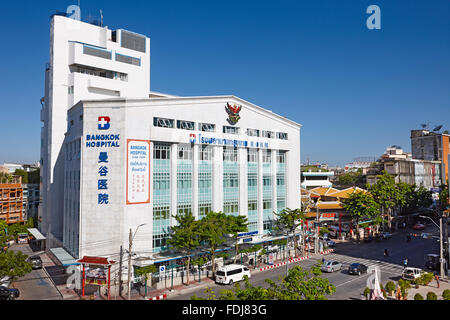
[64,257]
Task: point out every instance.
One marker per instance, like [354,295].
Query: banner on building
[138,171]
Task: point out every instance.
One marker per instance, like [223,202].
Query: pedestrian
[404,225]
[405,263]
[399,294]
[437,280]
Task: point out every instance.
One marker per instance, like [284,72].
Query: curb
[326,251]
[283,263]
[163,296]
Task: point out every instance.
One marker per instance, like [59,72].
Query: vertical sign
[138,171]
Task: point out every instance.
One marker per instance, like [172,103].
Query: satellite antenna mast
[101,18]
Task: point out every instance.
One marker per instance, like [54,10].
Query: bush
[418,296]
[431,296]
[390,286]
[446,294]
[366,292]
[425,278]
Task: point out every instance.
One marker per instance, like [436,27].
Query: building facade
[139,162]
[87,61]
[316,179]
[431,146]
[11,201]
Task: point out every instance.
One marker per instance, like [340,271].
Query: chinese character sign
[138,171]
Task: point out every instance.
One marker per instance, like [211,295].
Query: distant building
[311,179]
[31,196]
[11,200]
[431,146]
[404,168]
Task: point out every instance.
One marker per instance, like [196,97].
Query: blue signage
[227,142]
[247,234]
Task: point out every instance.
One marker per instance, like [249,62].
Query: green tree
[386,194]
[185,237]
[146,272]
[23,174]
[299,284]
[361,205]
[3,235]
[443,197]
[213,231]
[14,264]
[16,228]
[34,176]
[235,225]
[288,220]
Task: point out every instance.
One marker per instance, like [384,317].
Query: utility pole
[316,240]
[120,271]
[441,249]
[129,263]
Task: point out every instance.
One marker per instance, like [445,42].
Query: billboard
[138,171]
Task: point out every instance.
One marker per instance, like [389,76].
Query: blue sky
[354,90]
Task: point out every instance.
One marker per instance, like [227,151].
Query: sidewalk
[432,286]
[195,285]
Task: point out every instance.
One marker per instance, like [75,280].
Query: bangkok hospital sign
[194,138]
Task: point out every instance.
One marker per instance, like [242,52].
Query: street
[37,284]
[350,287]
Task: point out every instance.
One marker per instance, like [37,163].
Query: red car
[418,226]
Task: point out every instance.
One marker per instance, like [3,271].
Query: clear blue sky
[355,91]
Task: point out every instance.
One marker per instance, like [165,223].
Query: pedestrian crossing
[384,265]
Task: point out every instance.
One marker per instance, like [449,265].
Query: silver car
[331,266]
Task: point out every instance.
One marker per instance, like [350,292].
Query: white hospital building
[116,156]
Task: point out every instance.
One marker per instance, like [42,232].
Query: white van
[232,273]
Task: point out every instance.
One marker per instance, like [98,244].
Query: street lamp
[131,237]
[441,248]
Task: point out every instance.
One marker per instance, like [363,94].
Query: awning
[36,234]
[63,257]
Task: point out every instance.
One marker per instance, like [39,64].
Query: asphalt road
[35,285]
[350,287]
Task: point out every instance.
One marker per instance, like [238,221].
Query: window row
[209,127]
[105,54]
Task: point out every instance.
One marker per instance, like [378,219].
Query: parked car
[231,273]
[327,241]
[418,226]
[36,262]
[5,281]
[22,238]
[386,235]
[8,293]
[411,273]
[331,266]
[357,268]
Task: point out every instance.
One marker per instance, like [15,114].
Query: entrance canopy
[63,257]
[36,234]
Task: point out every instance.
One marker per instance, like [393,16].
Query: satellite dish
[437,128]
[424,125]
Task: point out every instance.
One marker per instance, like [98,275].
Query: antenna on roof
[437,128]
[424,125]
[101,18]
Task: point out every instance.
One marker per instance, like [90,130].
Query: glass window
[230,130]
[282,135]
[207,127]
[267,134]
[164,123]
[253,132]
[186,125]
